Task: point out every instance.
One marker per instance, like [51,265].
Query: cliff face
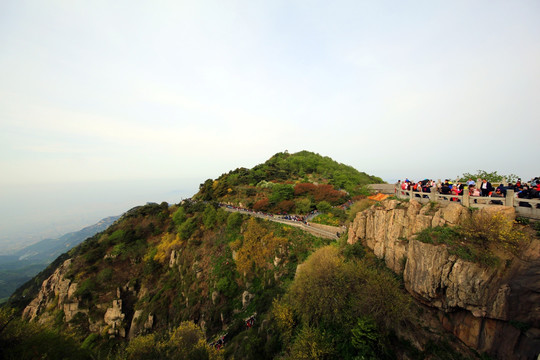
[56,292]
[483,306]
[58,295]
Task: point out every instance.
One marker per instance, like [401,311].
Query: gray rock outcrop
[479,303]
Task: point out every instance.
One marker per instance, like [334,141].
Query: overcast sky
[115,91]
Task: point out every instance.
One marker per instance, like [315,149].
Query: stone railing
[529,208]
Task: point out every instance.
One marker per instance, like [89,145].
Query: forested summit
[304,167]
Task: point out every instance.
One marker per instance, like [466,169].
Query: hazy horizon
[33,212]
[125,92]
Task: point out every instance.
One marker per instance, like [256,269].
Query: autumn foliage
[262,205]
[322,192]
[168,243]
[258,249]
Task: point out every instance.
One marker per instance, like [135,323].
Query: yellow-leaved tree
[255,254]
[168,243]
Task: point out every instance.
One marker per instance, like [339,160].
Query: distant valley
[20,266]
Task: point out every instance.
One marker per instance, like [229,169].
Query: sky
[107,105]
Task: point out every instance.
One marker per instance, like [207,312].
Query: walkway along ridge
[276,218]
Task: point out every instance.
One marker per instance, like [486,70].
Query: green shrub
[20,339]
[281,192]
[104,275]
[187,228]
[312,344]
[328,290]
[439,235]
[462,243]
[303,206]
[209,217]
[354,251]
[365,338]
[116,236]
[179,216]
[536,226]
[90,341]
[118,249]
[86,289]
[234,221]
[486,229]
[145,347]
[324,206]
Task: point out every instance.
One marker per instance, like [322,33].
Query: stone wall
[330,229]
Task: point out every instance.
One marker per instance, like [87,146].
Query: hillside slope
[255,289]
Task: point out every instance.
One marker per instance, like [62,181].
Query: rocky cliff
[492,309]
[58,298]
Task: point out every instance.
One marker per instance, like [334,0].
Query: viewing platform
[529,208]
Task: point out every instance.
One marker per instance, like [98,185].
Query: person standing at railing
[486,187]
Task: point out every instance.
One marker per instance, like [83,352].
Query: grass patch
[439,235]
[455,241]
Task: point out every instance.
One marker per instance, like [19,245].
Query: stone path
[306,227]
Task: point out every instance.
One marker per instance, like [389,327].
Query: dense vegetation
[340,303]
[205,285]
[483,238]
[289,183]
[193,273]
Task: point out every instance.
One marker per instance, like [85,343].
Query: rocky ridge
[480,305]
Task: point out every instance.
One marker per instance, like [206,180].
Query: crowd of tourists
[483,187]
[297,218]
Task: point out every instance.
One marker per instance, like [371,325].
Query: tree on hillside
[206,192]
[283,167]
[209,216]
[281,192]
[186,342]
[324,206]
[179,216]
[303,206]
[257,250]
[329,290]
